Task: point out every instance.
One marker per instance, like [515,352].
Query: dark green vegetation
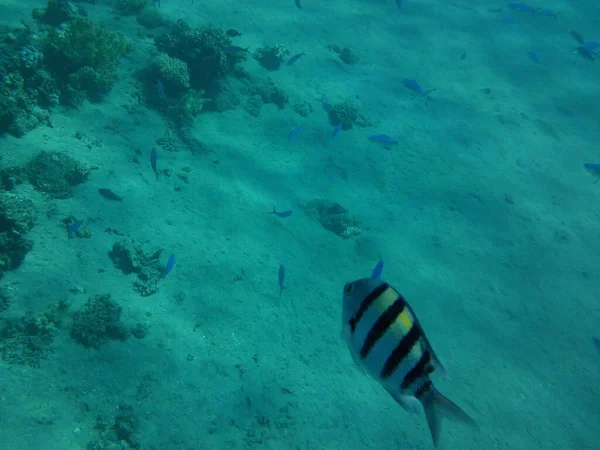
[98,321]
[17,217]
[63,58]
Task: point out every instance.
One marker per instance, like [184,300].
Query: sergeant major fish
[384,336]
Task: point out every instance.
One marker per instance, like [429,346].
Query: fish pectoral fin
[408,402]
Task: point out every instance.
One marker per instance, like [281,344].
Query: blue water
[483,213]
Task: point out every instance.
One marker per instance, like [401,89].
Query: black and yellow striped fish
[385,337]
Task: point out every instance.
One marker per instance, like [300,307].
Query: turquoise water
[482,212]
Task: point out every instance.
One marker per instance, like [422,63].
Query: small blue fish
[282,214]
[591,45]
[414,85]
[535,57]
[337,129]
[281,277]
[74,227]
[594,169]
[400,4]
[161,90]
[107,193]
[169,266]
[578,37]
[548,13]
[153,162]
[298,4]
[295,132]
[326,106]
[509,19]
[597,342]
[378,270]
[234,50]
[383,139]
[586,53]
[294,58]
[523,7]
[463,56]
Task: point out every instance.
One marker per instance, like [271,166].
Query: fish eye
[349,288]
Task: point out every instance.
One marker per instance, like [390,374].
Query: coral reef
[129,257]
[261,92]
[200,48]
[172,72]
[345,54]
[333,217]
[151,17]
[130,7]
[55,174]
[17,217]
[271,57]
[57,12]
[303,108]
[348,115]
[82,58]
[98,321]
[121,434]
[28,340]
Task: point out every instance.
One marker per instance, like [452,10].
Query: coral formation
[264,91]
[82,57]
[345,54]
[151,17]
[57,12]
[129,257]
[348,115]
[130,7]
[201,49]
[98,321]
[55,174]
[303,108]
[271,57]
[27,340]
[172,72]
[333,217]
[17,217]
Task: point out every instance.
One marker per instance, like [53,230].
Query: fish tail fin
[273,212]
[535,10]
[428,91]
[438,407]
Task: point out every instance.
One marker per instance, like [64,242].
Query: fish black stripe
[418,371]
[402,349]
[423,389]
[369,299]
[381,325]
